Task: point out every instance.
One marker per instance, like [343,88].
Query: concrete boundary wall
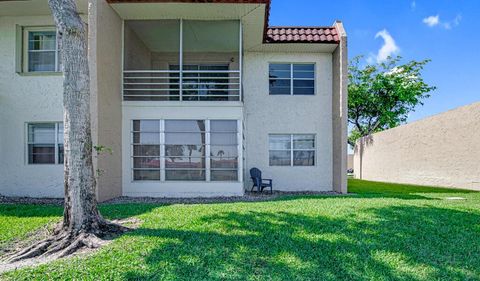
[442,150]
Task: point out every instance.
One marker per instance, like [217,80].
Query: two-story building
[188,95]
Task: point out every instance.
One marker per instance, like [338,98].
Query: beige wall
[443,150]
[350,162]
[339,112]
[105,51]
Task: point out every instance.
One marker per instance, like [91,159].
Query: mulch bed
[248,197]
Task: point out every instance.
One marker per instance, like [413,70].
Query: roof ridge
[302,27]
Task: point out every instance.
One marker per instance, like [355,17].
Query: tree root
[65,242]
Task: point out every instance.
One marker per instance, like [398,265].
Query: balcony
[176,60]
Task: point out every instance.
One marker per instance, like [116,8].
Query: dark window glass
[224,175]
[279,76]
[224,163]
[281,79]
[185,175]
[184,163]
[303,91]
[303,158]
[279,142]
[41,143]
[279,71]
[223,151]
[146,162]
[41,154]
[146,150]
[303,141]
[303,67]
[185,150]
[61,153]
[280,158]
[146,175]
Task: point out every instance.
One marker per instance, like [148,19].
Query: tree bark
[82,225]
[80,201]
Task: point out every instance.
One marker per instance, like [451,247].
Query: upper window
[41,52]
[292,150]
[292,79]
[45,143]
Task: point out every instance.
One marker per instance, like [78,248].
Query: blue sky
[445,31]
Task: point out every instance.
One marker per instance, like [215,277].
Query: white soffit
[198,36]
[198,11]
[251,15]
[33,7]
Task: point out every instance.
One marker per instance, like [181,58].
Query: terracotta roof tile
[302,35]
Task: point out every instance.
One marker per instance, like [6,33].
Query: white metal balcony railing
[186,85]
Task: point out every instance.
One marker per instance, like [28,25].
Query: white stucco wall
[268,114]
[23,99]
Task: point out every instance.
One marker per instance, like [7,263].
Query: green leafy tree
[380,96]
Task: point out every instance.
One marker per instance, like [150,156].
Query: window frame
[292,79]
[26,30]
[56,143]
[292,150]
[207,157]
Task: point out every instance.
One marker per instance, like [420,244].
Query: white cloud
[453,23]
[432,20]
[457,19]
[388,48]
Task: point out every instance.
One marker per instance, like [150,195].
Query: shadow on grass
[391,243]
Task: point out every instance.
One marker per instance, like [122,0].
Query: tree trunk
[80,201]
[82,225]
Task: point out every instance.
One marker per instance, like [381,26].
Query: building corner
[104,56]
[339,111]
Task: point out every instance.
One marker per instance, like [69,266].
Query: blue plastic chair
[261,184]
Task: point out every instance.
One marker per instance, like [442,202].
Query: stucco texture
[268,114]
[443,150]
[25,98]
[105,56]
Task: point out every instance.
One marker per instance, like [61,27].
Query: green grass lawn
[384,232]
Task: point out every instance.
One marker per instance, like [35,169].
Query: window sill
[45,165]
[40,73]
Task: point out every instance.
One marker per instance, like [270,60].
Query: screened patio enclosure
[182,60]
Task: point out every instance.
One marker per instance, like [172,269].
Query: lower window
[45,143]
[185,150]
[292,150]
